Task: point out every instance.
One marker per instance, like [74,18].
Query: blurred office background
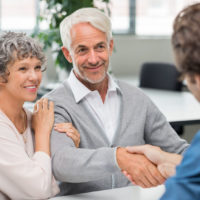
[142,31]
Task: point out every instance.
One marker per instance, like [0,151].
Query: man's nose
[93,57]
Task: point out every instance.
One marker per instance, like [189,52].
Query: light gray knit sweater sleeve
[75,165]
[71,164]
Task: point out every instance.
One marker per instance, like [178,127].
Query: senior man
[109,115]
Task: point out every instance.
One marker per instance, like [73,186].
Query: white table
[180,108]
[126,193]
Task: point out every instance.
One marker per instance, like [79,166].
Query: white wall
[130,52]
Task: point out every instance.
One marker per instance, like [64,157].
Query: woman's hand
[70,131]
[153,153]
[43,116]
[42,124]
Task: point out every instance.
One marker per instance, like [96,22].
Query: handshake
[147,165]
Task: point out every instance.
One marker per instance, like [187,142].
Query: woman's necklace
[24,119]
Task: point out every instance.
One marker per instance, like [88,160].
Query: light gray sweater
[93,165]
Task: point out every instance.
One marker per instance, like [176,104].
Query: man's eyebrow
[80,46]
[100,43]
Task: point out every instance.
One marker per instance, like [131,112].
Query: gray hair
[18,46]
[91,15]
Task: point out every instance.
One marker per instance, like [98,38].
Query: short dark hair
[186,40]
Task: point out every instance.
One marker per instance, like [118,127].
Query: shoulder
[63,99]
[8,130]
[5,121]
[132,92]
[60,93]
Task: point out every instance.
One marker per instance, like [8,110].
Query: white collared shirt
[107,113]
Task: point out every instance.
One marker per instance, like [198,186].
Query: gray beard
[86,78]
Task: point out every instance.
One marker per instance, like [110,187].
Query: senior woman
[25,168]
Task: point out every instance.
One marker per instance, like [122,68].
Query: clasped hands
[147,165]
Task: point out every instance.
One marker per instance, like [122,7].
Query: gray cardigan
[93,165]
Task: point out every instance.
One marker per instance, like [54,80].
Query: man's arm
[81,165]
[71,164]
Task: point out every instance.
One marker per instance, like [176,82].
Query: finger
[140,178]
[141,184]
[167,169]
[136,149]
[125,173]
[63,126]
[144,182]
[67,125]
[35,107]
[63,129]
[152,175]
[60,130]
[75,132]
[130,179]
[74,138]
[51,106]
[45,103]
[156,175]
[128,176]
[39,105]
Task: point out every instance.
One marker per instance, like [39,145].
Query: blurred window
[18,14]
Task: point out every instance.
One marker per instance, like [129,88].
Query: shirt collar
[80,91]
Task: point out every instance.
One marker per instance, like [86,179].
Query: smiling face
[23,80]
[89,54]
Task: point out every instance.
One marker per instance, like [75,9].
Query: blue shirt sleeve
[185,185]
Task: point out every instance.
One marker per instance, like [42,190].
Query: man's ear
[67,54]
[111,46]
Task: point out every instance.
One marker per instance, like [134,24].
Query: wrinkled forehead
[86,33]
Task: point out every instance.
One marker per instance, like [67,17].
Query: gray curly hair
[19,46]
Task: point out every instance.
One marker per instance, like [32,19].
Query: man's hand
[166,162]
[142,171]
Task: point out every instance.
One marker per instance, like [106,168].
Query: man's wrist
[120,157]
